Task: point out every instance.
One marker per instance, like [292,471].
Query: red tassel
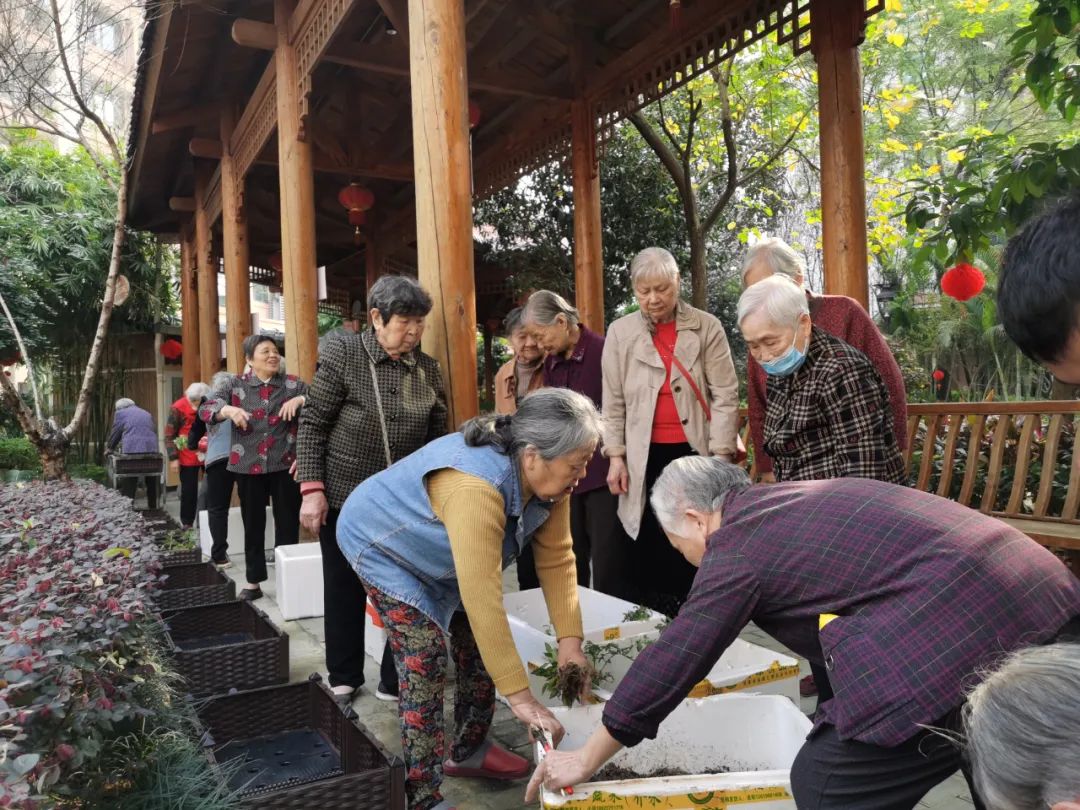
[675,12]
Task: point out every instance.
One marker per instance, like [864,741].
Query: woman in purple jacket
[134,432]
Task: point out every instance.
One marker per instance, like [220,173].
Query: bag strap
[379,406]
[689,379]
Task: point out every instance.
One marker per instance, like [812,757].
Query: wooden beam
[212,201]
[187,117]
[189,306]
[258,120]
[297,187]
[836,30]
[154,65]
[185,205]
[206,271]
[397,11]
[235,254]
[444,194]
[254,34]
[205,148]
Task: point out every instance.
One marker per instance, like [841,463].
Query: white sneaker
[381,695]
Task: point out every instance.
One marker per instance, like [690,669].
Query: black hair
[251,343]
[1039,283]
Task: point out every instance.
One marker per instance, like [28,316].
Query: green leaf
[117,551]
[25,763]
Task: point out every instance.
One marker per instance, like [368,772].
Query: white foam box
[299,579]
[236,532]
[374,634]
[754,738]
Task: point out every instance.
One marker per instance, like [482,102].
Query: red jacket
[181,418]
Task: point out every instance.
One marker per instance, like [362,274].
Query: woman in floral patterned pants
[419,649]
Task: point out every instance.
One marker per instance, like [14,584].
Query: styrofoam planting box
[236,532]
[753,738]
[374,633]
[299,580]
[751,668]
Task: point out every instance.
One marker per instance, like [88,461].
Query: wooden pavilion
[354,134]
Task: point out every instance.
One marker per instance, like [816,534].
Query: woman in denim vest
[429,538]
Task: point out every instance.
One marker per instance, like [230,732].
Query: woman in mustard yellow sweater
[429,538]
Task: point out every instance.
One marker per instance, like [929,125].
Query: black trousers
[128,487]
[189,495]
[664,576]
[219,482]
[256,491]
[344,603]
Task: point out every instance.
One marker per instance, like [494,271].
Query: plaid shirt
[341,441]
[927,592]
[269,442]
[831,418]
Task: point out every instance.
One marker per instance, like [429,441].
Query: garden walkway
[307,649]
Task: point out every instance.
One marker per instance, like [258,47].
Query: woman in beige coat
[669,391]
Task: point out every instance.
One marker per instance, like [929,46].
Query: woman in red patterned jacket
[184,460]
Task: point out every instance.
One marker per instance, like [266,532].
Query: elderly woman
[218,480]
[262,405]
[838,315]
[904,594]
[133,432]
[574,353]
[826,409]
[523,372]
[375,398]
[185,460]
[429,538]
[1021,726]
[669,391]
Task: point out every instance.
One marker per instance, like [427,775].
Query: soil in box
[231,645]
[193,585]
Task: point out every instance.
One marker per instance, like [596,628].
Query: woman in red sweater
[838,315]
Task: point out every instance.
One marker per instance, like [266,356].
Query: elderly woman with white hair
[826,409]
[1021,729]
[185,460]
[133,432]
[838,315]
[669,391]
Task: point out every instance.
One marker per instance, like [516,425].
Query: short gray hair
[653,262]
[514,320]
[782,300]
[553,421]
[778,255]
[544,306]
[694,482]
[1021,727]
[220,379]
[197,390]
[124,402]
[399,295]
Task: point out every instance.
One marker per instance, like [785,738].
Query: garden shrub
[81,672]
[18,454]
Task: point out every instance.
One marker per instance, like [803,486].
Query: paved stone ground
[307,648]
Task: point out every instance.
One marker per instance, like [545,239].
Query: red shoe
[807,687]
[491,761]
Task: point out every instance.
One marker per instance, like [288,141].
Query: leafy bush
[91,472]
[18,454]
[78,658]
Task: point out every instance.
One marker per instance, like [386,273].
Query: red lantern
[275,262]
[938,375]
[356,200]
[474,114]
[963,282]
[172,350]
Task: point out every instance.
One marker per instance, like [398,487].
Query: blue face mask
[786,364]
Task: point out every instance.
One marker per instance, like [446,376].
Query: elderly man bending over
[900,594]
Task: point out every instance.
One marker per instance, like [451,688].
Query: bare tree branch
[25,354]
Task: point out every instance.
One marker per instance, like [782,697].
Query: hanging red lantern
[356,200]
[475,115]
[172,350]
[938,375]
[963,282]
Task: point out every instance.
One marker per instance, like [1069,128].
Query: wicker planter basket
[292,747]
[194,585]
[188,556]
[231,645]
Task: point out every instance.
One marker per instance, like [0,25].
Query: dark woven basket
[372,778]
[194,585]
[138,464]
[232,645]
[187,556]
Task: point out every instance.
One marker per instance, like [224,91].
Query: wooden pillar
[234,232]
[189,303]
[588,237]
[206,268]
[443,169]
[836,31]
[296,183]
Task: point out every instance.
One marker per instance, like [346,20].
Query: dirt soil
[572,680]
[616,773]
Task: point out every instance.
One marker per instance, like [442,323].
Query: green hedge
[18,454]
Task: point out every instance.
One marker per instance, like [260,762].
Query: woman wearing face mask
[429,539]
[669,391]
[827,411]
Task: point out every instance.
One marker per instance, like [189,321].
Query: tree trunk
[52,450]
[698,268]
